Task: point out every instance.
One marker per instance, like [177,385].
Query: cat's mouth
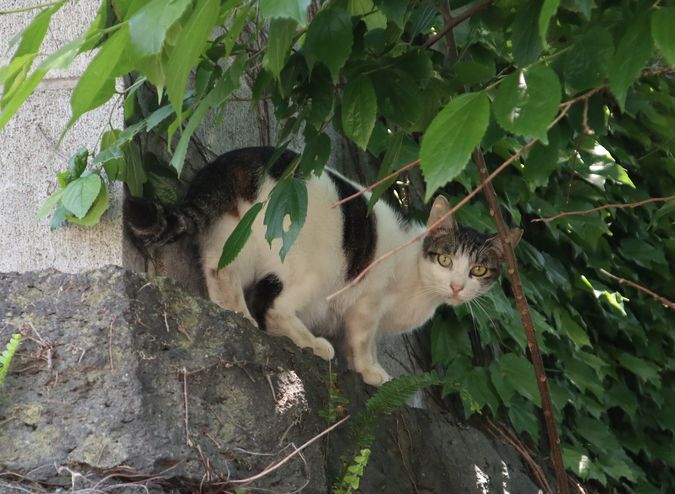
[455,300]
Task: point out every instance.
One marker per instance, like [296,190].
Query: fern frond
[6,356]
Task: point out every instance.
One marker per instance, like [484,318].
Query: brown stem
[521,302]
[606,206]
[477,7]
[663,300]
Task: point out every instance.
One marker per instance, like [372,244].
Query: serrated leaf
[524,418]
[450,138]
[663,20]
[631,55]
[148,26]
[398,98]
[519,374]
[96,210]
[81,194]
[395,10]
[237,239]
[289,9]
[548,10]
[586,63]
[188,47]
[527,100]
[49,204]
[646,370]
[282,33]
[526,39]
[315,155]
[285,213]
[359,109]
[77,163]
[542,160]
[329,40]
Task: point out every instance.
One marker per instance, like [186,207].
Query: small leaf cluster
[352,478]
[7,355]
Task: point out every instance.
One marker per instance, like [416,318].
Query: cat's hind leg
[225,289]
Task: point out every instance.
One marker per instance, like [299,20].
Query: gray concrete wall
[29,159]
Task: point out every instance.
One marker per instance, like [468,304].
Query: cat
[452,264]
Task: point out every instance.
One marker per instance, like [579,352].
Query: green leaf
[527,100]
[548,10]
[645,369]
[395,10]
[81,194]
[450,138]
[542,160]
[78,162]
[285,213]
[631,56]
[359,109]
[577,460]
[524,418]
[315,155]
[97,85]
[519,374]
[96,210]
[49,204]
[663,20]
[329,40]
[281,35]
[135,174]
[289,9]
[115,168]
[237,239]
[148,26]
[586,63]
[398,98]
[572,329]
[188,47]
[525,33]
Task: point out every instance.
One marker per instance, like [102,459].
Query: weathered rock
[126,379]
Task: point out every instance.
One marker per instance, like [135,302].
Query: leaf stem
[28,9]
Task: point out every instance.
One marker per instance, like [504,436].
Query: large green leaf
[148,26]
[519,373]
[663,32]
[450,138]
[631,56]
[237,239]
[359,109]
[586,63]
[188,47]
[93,216]
[282,33]
[329,39]
[527,43]
[542,160]
[527,100]
[548,10]
[289,9]
[285,213]
[81,194]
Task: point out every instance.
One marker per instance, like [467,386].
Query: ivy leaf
[523,417]
[96,210]
[450,138]
[586,63]
[640,367]
[188,47]
[289,9]
[285,213]
[237,239]
[548,10]
[80,194]
[527,100]
[526,39]
[282,32]
[577,460]
[359,109]
[519,374]
[631,56]
[329,40]
[148,26]
[663,20]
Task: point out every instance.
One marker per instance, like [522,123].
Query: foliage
[352,478]
[589,80]
[335,408]
[7,354]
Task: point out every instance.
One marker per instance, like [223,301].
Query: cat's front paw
[375,375]
[322,348]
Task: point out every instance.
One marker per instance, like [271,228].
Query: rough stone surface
[126,379]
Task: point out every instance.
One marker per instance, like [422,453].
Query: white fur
[398,295]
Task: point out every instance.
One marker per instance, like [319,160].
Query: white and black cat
[453,264]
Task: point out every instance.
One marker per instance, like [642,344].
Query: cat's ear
[438,210]
[513,237]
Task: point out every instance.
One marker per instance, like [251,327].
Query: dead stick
[185,400]
[663,300]
[606,206]
[274,466]
[521,302]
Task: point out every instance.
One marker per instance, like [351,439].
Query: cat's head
[460,263]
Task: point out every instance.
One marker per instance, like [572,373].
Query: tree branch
[606,206]
[663,300]
[521,302]
[477,7]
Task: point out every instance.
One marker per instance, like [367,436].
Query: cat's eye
[444,260]
[478,270]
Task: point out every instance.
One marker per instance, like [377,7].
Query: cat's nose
[456,288]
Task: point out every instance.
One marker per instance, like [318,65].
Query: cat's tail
[150,223]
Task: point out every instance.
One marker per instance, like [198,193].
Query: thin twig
[274,466]
[457,20]
[663,300]
[188,440]
[528,324]
[606,206]
[375,184]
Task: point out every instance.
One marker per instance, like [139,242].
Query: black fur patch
[260,297]
[359,236]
